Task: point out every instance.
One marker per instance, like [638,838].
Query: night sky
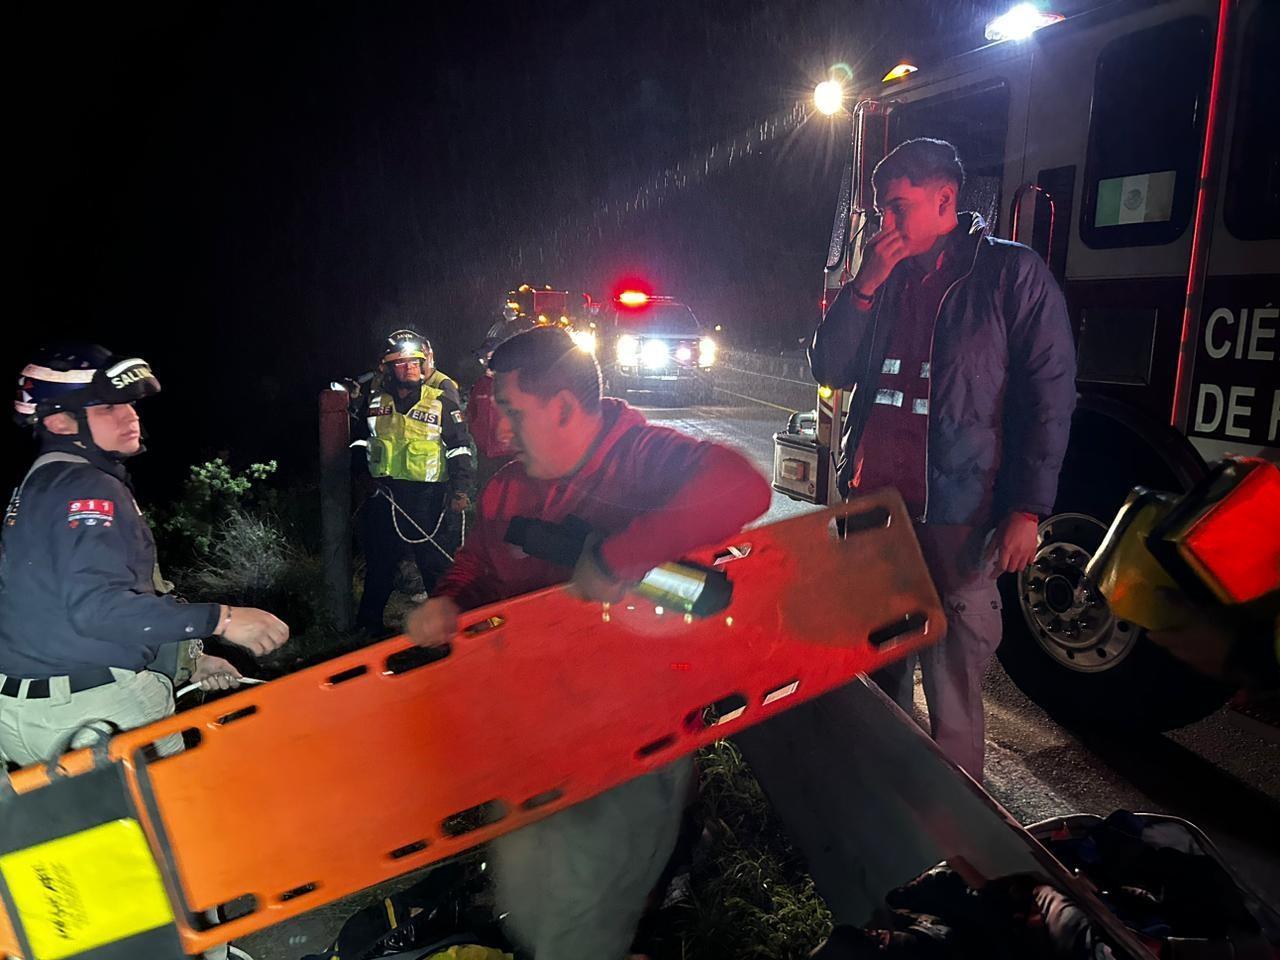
[251,195]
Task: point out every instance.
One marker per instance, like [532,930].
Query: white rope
[192,687]
[426,537]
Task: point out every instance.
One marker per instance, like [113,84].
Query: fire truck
[528,306]
[1135,148]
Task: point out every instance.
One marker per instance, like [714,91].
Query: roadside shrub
[242,559]
[226,539]
[188,528]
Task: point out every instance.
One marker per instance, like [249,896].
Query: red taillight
[1232,544]
[633,298]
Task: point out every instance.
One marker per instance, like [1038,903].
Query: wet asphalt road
[1222,777]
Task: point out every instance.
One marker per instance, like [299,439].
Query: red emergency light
[633,298]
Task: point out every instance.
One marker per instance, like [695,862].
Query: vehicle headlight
[706,352]
[654,354]
[584,340]
[628,350]
[683,354]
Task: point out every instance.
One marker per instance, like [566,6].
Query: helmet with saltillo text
[67,377]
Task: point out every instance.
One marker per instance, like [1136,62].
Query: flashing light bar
[633,298]
[1020,22]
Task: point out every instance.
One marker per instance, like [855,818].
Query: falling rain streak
[557,246]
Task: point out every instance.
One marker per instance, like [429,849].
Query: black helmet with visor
[68,377]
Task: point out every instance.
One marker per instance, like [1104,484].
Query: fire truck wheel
[1086,668]
[1062,646]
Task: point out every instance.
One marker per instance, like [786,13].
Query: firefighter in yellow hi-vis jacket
[421,463]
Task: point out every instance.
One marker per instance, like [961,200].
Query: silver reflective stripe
[458,452]
[125,365]
[38,372]
[891,366]
[890,398]
[921,405]
[924,370]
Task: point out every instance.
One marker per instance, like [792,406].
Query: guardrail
[781,381]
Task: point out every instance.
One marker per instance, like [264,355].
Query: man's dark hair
[548,361]
[920,162]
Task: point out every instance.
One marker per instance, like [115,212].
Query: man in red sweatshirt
[574,885]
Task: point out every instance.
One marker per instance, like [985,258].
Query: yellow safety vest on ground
[408,446]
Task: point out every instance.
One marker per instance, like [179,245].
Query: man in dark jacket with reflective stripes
[962,364]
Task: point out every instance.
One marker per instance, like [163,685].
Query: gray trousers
[36,731]
[952,671]
[573,886]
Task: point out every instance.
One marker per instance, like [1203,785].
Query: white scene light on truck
[584,340]
[683,354]
[706,352]
[828,97]
[628,350]
[654,354]
[1019,23]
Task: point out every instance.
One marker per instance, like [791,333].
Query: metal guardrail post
[335,505]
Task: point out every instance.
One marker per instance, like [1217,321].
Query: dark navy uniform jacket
[76,574]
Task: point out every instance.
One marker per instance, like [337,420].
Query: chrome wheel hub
[1065,612]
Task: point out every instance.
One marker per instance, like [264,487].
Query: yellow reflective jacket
[411,445]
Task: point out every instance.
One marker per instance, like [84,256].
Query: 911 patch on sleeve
[91,513]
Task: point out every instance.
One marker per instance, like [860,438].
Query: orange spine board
[347,774]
